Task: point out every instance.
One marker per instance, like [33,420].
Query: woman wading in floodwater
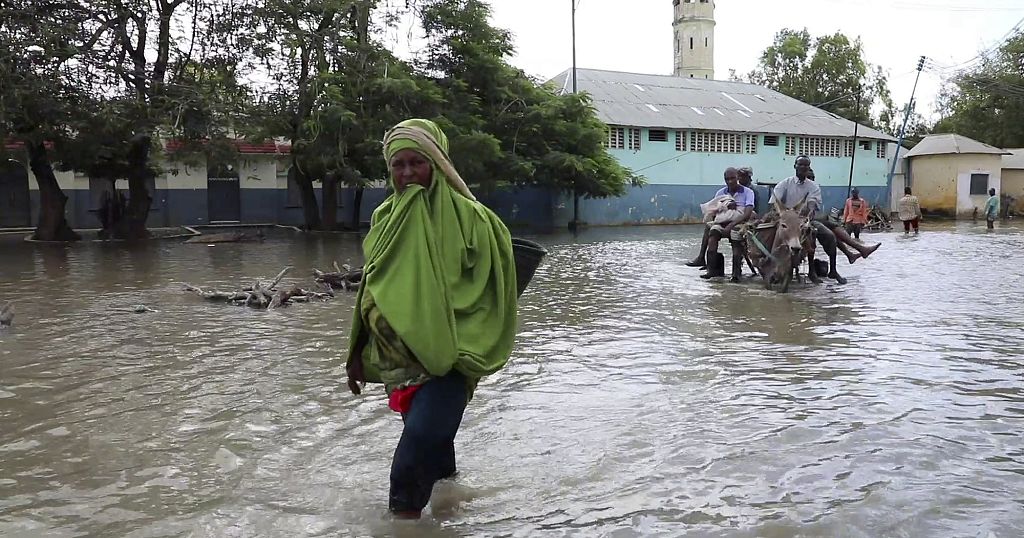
[437,308]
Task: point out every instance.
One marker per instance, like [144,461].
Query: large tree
[166,73]
[300,39]
[45,49]
[505,129]
[987,102]
[830,72]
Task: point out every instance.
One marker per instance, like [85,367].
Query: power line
[982,54]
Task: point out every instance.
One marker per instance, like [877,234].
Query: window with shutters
[680,140]
[819,146]
[634,139]
[616,138]
[716,142]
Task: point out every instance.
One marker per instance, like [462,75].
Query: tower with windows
[694,32]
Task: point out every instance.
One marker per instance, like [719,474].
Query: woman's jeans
[426,451]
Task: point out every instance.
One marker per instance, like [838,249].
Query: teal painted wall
[661,164]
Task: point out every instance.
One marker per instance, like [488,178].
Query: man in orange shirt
[855,215]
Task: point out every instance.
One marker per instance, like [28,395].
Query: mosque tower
[694,30]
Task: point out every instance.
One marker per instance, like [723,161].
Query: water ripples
[640,400]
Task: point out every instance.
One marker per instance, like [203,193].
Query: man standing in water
[909,211]
[992,209]
[855,214]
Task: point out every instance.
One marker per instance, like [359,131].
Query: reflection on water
[640,401]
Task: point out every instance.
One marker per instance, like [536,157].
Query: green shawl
[439,269]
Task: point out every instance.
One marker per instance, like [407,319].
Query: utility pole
[853,154]
[575,193]
[903,129]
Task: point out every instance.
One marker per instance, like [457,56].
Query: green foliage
[829,72]
[504,127]
[987,102]
[41,75]
[101,79]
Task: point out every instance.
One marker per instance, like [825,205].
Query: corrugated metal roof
[945,144]
[714,105]
[1015,159]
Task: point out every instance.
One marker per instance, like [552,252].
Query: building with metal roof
[674,102]
[952,174]
[953,144]
[255,188]
[681,133]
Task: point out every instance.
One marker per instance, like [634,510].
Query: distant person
[992,209]
[745,175]
[909,211]
[855,214]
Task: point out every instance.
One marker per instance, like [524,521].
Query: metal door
[224,195]
[15,204]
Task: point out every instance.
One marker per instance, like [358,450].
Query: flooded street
[640,400]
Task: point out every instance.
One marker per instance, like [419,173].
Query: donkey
[787,241]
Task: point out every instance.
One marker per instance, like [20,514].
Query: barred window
[716,142]
[865,145]
[817,146]
[790,145]
[771,140]
[751,144]
[880,152]
[680,140]
[616,138]
[657,135]
[634,139]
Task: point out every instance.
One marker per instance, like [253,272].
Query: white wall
[965,202]
[258,172]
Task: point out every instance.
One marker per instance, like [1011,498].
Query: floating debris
[265,297]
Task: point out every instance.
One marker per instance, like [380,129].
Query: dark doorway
[15,204]
[223,194]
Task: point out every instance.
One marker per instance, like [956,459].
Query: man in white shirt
[794,189]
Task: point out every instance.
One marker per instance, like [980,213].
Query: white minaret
[694,27]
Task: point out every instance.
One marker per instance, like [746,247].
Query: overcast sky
[636,35]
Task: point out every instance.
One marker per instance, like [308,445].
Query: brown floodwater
[640,400]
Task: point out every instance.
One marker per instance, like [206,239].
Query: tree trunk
[132,225]
[309,208]
[52,225]
[357,205]
[329,200]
